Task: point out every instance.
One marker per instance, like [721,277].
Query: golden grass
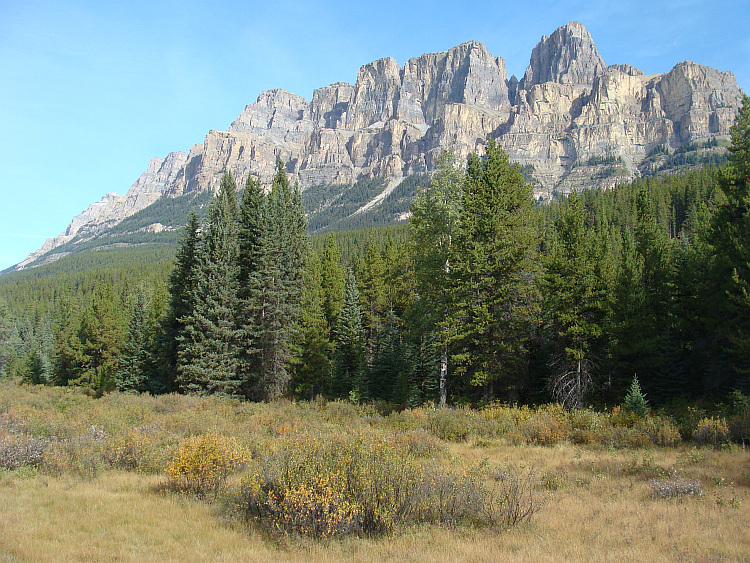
[598,503]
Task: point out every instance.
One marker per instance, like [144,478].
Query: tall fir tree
[333,279]
[349,355]
[135,366]
[180,305]
[101,338]
[432,230]
[310,343]
[730,238]
[493,271]
[252,245]
[574,288]
[285,248]
[209,345]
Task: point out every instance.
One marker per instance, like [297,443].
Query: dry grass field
[98,485]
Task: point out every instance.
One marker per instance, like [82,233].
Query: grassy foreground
[90,480]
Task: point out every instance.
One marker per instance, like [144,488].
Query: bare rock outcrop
[569,110]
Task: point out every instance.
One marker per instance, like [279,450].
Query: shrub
[370,487]
[450,424]
[739,426]
[625,437]
[712,432]
[20,451]
[674,487]
[146,449]
[81,455]
[203,463]
[548,425]
[660,430]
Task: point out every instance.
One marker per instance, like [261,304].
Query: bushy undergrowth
[203,463]
[324,469]
[321,486]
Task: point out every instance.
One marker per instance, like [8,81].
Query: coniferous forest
[483,296]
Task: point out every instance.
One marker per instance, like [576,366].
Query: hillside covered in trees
[483,296]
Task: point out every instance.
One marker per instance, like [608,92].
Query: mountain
[571,122]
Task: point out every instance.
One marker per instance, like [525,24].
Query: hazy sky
[89,91]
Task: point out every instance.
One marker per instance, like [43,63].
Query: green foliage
[493,269]
[356,486]
[635,401]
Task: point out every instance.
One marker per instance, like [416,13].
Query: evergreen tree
[493,270]
[209,353]
[372,294]
[387,378]
[180,305]
[66,348]
[432,229]
[349,355]
[333,279]
[252,245]
[635,401]
[574,289]
[730,238]
[101,338]
[311,346]
[135,369]
[285,248]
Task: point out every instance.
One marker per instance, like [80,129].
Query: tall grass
[183,478]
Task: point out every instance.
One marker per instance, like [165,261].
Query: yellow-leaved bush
[203,463]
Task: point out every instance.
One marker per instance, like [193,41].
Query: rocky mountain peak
[568,56]
[568,113]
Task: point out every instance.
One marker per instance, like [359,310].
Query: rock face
[568,107]
[113,208]
[567,111]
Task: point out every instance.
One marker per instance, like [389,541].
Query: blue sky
[89,91]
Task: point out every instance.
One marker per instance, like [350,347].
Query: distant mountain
[572,122]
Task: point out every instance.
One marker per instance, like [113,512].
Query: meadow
[178,478]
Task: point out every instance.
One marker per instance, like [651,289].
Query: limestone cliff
[569,113]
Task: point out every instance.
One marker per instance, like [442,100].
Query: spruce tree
[285,248]
[333,279]
[134,368]
[310,343]
[349,356]
[432,230]
[493,271]
[180,304]
[101,339]
[574,289]
[730,239]
[209,352]
[249,320]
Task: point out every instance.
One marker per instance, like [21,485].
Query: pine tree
[372,293]
[493,271]
[66,348]
[180,305]
[311,346]
[134,370]
[333,279]
[432,229]
[574,288]
[285,248]
[101,338]
[730,238]
[635,401]
[209,352]
[252,247]
[349,355]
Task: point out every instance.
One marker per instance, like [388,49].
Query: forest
[482,296]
